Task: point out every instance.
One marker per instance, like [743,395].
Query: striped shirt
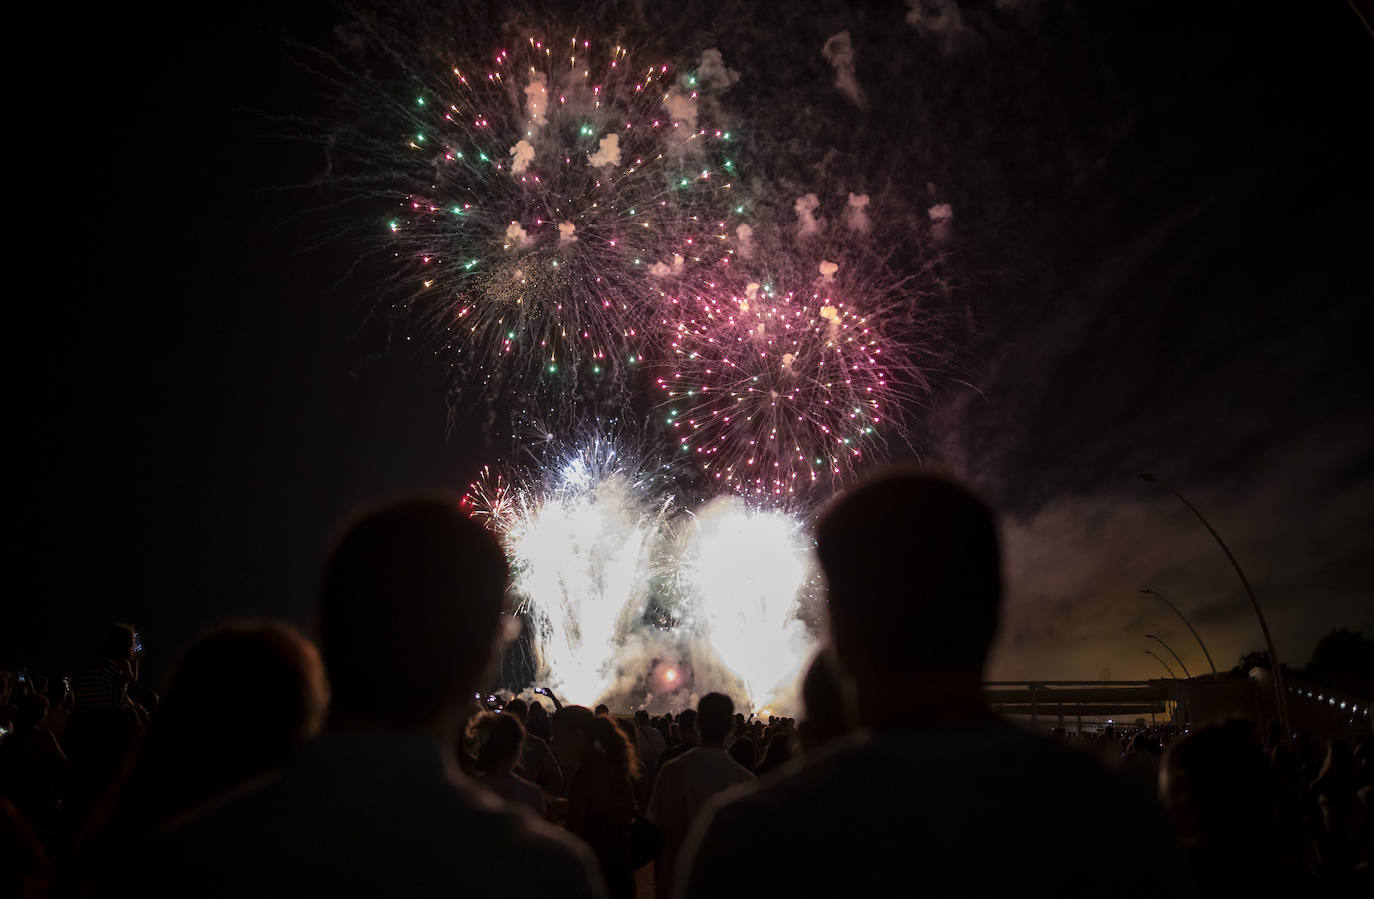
[104,685]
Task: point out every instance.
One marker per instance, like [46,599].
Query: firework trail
[544,194]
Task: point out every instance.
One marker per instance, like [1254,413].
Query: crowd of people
[364,764]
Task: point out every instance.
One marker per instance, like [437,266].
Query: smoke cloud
[745,235]
[565,232]
[608,152]
[537,101]
[522,154]
[713,73]
[516,236]
[807,222]
[839,52]
[856,213]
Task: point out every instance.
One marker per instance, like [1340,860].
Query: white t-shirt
[681,791]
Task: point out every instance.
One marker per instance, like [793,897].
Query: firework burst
[779,391]
[543,193]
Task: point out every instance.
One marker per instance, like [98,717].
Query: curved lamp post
[1162,662]
[1279,692]
[1160,596]
[1172,653]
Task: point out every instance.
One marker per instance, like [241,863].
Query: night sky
[1161,247]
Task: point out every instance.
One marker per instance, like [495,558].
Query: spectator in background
[828,716]
[688,781]
[102,734]
[410,605]
[500,738]
[601,799]
[31,763]
[686,734]
[1217,789]
[912,567]
[104,685]
[536,763]
[192,752]
[537,725]
[776,753]
[649,745]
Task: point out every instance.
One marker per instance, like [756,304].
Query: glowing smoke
[856,213]
[807,223]
[839,52]
[713,71]
[746,573]
[522,154]
[608,152]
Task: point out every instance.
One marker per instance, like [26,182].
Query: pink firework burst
[781,392]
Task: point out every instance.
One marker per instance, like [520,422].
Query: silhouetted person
[537,724]
[31,763]
[688,781]
[828,717]
[501,742]
[687,736]
[1217,787]
[242,701]
[601,799]
[103,731]
[776,753]
[964,802]
[536,763]
[410,604]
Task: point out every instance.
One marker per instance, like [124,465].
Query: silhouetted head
[687,725]
[118,643]
[1215,784]
[642,718]
[913,574]
[577,732]
[268,663]
[517,709]
[410,607]
[715,718]
[603,709]
[827,715]
[240,702]
[501,737]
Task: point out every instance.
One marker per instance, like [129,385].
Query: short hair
[603,709]
[715,717]
[516,708]
[688,719]
[913,572]
[641,717]
[117,642]
[410,606]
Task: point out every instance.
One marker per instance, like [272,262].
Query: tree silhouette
[1343,651]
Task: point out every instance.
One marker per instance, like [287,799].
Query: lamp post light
[1160,596]
[1162,662]
[1280,693]
[1172,653]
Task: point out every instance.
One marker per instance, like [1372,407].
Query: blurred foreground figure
[964,803]
[409,614]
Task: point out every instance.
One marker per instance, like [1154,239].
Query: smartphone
[23,675]
[67,682]
[138,643]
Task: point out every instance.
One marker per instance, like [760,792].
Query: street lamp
[1172,653]
[1279,692]
[1160,596]
[1162,662]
